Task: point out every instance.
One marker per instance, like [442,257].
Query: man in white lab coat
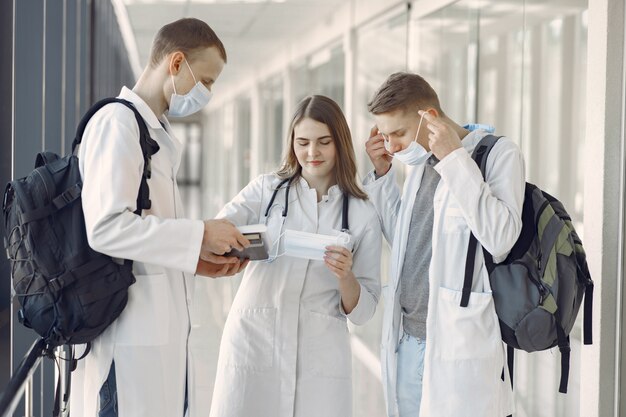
[440,359]
[144,353]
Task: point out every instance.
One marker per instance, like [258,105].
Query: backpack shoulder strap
[482,150]
[82,125]
[480,154]
[148,145]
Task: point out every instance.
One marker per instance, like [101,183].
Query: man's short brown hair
[186,35]
[403,90]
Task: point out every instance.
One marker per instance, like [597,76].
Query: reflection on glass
[381,51]
[322,73]
[190,170]
[272,138]
[242,140]
[443,51]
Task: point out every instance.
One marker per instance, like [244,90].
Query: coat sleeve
[111,164]
[384,193]
[245,208]
[366,268]
[491,208]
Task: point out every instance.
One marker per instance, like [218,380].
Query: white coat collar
[332,191]
[144,110]
[470,141]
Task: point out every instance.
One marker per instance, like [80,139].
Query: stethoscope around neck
[344,211]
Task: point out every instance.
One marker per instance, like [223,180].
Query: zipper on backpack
[543,291]
[539,266]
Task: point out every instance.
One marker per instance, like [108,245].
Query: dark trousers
[108,396]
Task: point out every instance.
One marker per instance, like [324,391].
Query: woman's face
[315,149]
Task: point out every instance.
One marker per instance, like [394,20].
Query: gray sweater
[414,276]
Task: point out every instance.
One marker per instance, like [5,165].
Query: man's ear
[433,112]
[176,60]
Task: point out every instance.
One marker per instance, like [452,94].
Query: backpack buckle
[22,319]
[55,285]
[63,280]
[67,196]
[72,194]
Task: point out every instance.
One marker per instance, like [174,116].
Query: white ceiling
[251,30]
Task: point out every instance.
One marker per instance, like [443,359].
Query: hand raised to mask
[375,148]
[442,139]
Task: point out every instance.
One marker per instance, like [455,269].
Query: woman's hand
[339,260]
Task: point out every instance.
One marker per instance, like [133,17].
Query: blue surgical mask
[414,154]
[479,126]
[190,103]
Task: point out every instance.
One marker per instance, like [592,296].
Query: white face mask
[414,154]
[312,245]
[192,102]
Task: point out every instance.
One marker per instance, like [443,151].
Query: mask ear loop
[173,84]
[192,76]
[276,243]
[419,126]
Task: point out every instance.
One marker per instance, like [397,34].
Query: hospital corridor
[548,76]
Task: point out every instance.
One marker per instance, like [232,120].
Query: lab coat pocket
[454,222]
[466,358]
[248,341]
[466,332]
[145,320]
[327,351]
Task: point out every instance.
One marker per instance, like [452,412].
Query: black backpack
[539,288]
[68,292]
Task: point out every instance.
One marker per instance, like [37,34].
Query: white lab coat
[464,357]
[148,342]
[285,350]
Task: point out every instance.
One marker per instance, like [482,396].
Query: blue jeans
[108,396]
[410,374]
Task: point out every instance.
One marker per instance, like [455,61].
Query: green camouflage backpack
[539,287]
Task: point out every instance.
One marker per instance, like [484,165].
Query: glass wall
[321,73]
[243,132]
[381,49]
[443,49]
[190,173]
[215,164]
[272,123]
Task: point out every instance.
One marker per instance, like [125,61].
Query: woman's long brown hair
[324,110]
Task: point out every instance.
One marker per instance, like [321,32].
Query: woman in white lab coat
[285,350]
